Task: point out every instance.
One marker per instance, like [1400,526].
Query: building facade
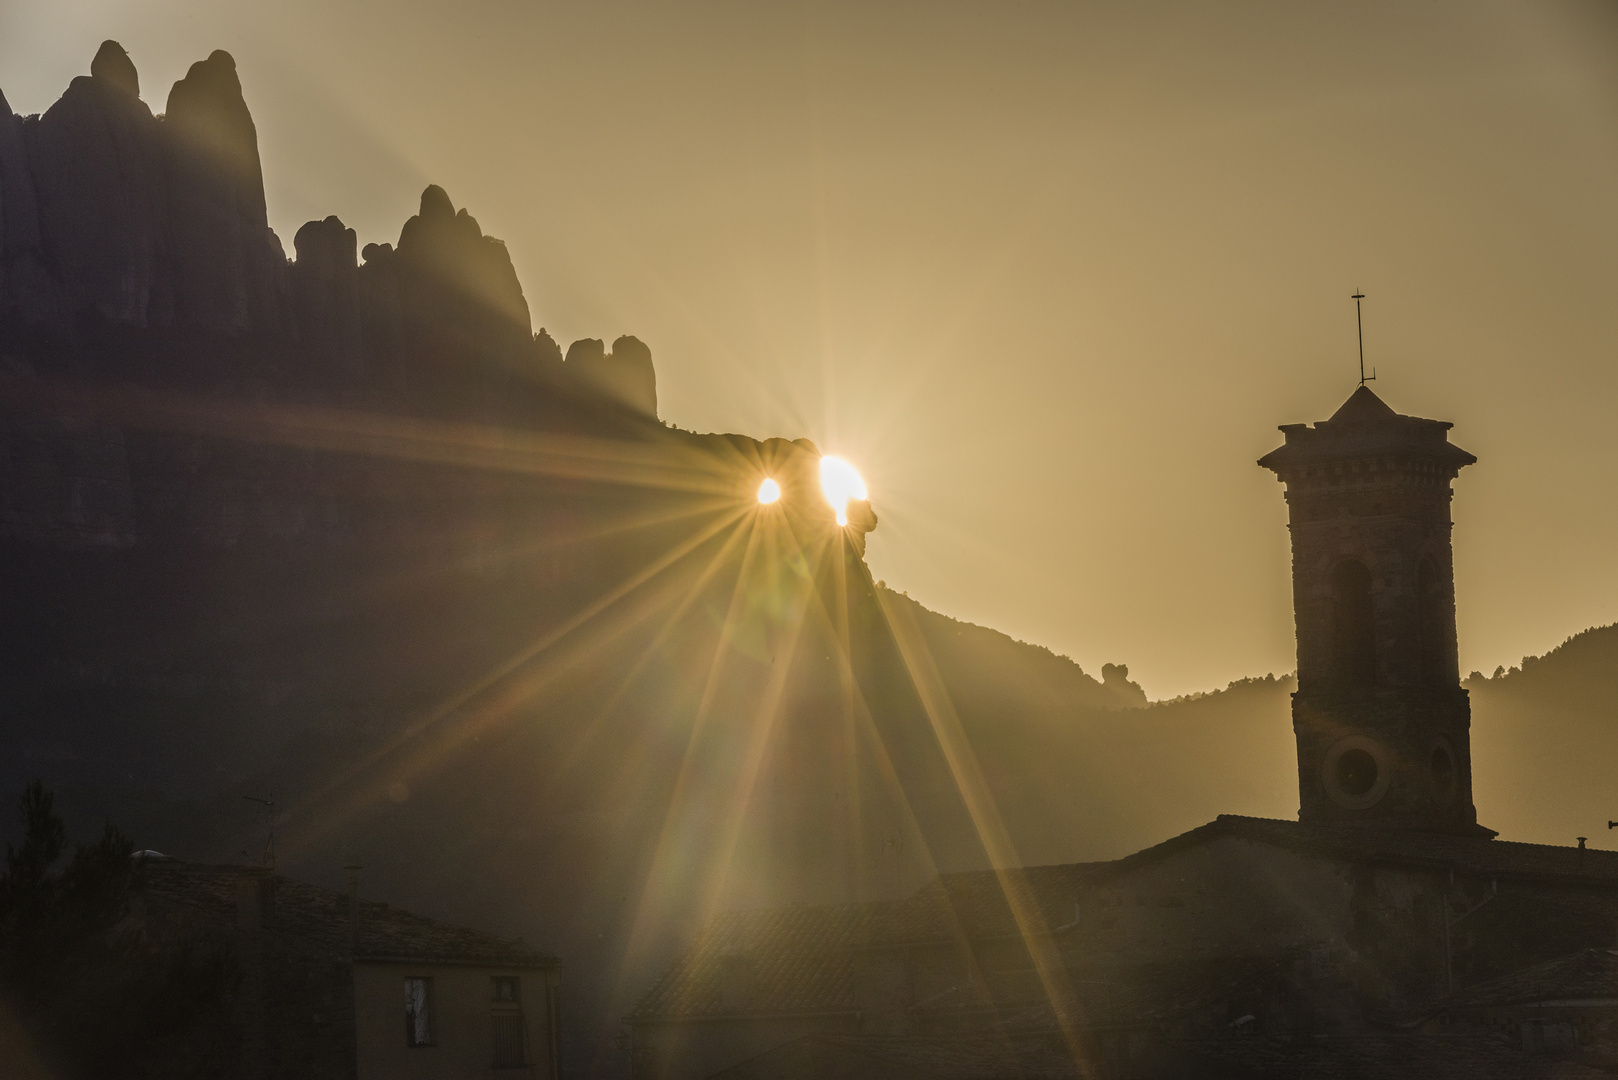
[318,986]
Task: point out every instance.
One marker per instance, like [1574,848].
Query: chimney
[1581,840]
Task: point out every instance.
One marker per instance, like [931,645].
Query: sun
[769,491]
[842,484]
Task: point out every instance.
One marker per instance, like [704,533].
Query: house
[1245,947]
[312,984]
[1567,1006]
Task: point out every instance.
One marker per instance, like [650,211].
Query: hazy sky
[1050,274]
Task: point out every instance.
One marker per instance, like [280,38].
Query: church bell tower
[1382,723]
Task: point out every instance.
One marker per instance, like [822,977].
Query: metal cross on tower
[1359,325]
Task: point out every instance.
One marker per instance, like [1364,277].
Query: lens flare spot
[842,484]
[769,491]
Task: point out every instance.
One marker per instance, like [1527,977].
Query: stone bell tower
[1383,726]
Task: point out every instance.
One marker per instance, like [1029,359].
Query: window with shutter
[418,1011]
[508,1040]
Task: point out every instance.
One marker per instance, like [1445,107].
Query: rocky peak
[26,290]
[109,214]
[97,169]
[624,375]
[19,215]
[207,113]
[324,291]
[435,205]
[454,277]
[586,351]
[113,67]
[229,269]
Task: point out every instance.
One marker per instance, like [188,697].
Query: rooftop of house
[793,959]
[974,902]
[1352,1057]
[1590,975]
[321,918]
[1383,1056]
[868,1057]
[1475,856]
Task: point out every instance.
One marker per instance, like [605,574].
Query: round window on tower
[1441,765]
[1355,772]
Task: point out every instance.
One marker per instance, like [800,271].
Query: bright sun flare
[769,491]
[841,482]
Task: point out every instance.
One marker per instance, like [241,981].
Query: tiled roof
[1380,1057]
[974,903]
[1474,856]
[791,959]
[320,918]
[869,1057]
[1253,1057]
[1113,996]
[801,960]
[1585,975]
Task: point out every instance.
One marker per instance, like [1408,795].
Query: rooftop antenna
[1359,325]
[269,846]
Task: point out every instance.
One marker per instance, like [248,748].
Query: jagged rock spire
[113,66]
[98,173]
[230,271]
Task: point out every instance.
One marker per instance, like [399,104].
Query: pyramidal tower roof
[1365,427]
[1362,407]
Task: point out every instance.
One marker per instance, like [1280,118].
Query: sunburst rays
[991,830]
[792,578]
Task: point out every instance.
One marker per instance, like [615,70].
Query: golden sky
[1051,274]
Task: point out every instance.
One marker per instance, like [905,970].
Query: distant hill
[1082,770]
[1545,743]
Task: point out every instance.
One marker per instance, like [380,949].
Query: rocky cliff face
[135,251]
[111,217]
[26,289]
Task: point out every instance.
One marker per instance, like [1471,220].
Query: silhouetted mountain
[355,535]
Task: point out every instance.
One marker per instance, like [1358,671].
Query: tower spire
[1359,324]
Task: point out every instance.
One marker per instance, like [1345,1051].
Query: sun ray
[762,728]
[872,736]
[628,679]
[662,851]
[991,829]
[413,732]
[671,463]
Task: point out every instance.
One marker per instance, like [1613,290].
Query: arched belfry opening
[1382,724]
[1353,626]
